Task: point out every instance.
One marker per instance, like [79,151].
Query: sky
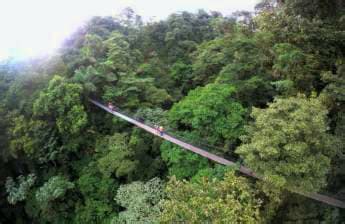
[31,28]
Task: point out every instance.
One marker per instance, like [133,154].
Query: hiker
[111,106]
[161,130]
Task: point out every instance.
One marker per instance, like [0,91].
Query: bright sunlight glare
[38,27]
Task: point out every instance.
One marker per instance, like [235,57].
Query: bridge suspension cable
[211,156]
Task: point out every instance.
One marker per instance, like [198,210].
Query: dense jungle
[265,89]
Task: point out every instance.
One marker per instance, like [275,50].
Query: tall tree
[141,200]
[218,201]
[289,143]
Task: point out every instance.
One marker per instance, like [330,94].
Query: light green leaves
[117,157]
[56,187]
[141,201]
[18,191]
[211,201]
[289,143]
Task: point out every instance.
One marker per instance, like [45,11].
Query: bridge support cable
[211,156]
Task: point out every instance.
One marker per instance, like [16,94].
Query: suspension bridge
[211,156]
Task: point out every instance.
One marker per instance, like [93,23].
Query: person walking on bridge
[161,130]
[111,106]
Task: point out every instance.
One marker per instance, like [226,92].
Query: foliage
[117,157]
[124,157]
[312,9]
[52,200]
[21,136]
[226,201]
[335,83]
[247,71]
[292,64]
[152,116]
[18,192]
[181,163]
[181,74]
[55,188]
[210,113]
[61,102]
[98,192]
[289,143]
[209,59]
[240,61]
[141,201]
[199,75]
[334,96]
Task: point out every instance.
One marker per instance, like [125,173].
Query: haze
[38,27]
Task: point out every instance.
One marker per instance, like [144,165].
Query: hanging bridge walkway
[210,156]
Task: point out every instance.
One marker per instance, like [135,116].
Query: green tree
[289,143]
[230,200]
[152,116]
[302,210]
[248,69]
[181,163]
[207,114]
[292,64]
[141,201]
[314,9]
[210,113]
[35,139]
[118,158]
[209,59]
[184,31]
[115,75]
[93,49]
[131,157]
[61,103]
[334,96]
[314,38]
[182,75]
[18,192]
[97,204]
[154,68]
[55,188]
[52,199]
